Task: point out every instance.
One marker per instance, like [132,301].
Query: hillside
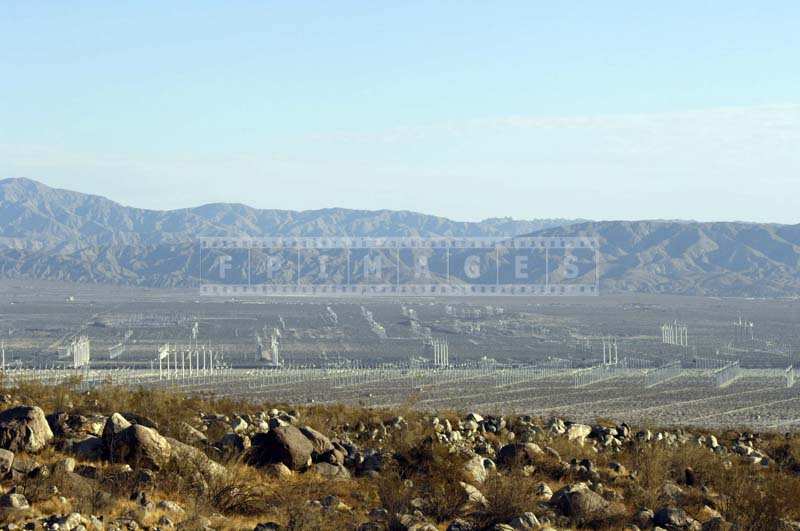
[62,235]
[113,458]
[691,258]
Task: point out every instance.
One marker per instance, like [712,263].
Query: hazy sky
[605,110]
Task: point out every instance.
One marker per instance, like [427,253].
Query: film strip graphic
[399,266]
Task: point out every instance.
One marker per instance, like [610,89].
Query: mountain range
[57,234]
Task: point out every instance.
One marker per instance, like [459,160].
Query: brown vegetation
[422,478]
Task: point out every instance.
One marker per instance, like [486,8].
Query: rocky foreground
[117,459]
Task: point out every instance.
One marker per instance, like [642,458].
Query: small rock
[171,507]
[14,500]
[672,517]
[525,522]
[6,461]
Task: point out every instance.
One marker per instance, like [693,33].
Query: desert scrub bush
[237,497]
[394,494]
[239,490]
[653,467]
[293,500]
[508,495]
[438,482]
[756,498]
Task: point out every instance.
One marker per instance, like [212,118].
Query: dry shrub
[395,496]
[439,484]
[508,496]
[232,497]
[756,498]
[653,467]
[292,499]
[240,491]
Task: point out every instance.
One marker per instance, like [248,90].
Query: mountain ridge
[58,234]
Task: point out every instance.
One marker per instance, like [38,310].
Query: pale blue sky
[605,110]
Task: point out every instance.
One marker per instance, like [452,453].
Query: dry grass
[749,496]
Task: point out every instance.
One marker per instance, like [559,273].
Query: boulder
[671,493]
[518,453]
[192,435]
[284,444]
[707,513]
[330,471]
[63,466]
[138,445]
[194,459]
[6,460]
[239,425]
[14,500]
[23,466]
[24,429]
[277,470]
[332,456]
[543,492]
[524,522]
[578,432]
[321,443]
[474,499]
[578,501]
[88,449]
[59,423]
[643,518]
[618,468]
[72,521]
[135,418]
[674,518]
[460,524]
[115,424]
[233,443]
[474,471]
[80,487]
[474,417]
[171,507]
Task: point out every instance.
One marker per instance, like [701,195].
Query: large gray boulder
[191,435]
[24,429]
[115,424]
[321,443]
[518,453]
[232,444]
[88,449]
[284,444]
[137,445]
[193,459]
[580,502]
